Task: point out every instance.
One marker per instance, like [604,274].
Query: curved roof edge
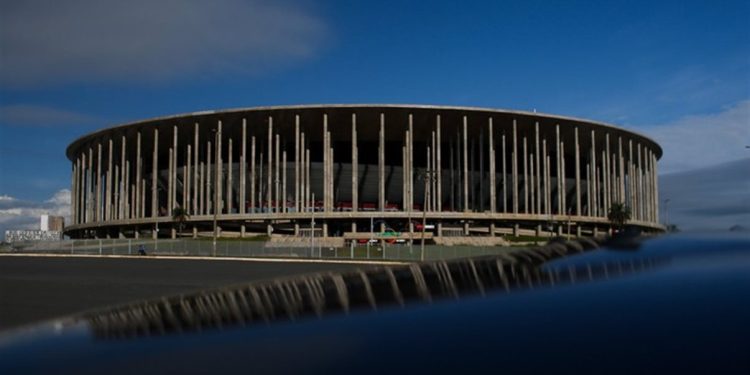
[93,134]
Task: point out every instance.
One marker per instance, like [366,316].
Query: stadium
[349,171]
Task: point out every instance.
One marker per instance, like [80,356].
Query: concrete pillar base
[492,230]
[195,232]
[440,229]
[242,231]
[516,229]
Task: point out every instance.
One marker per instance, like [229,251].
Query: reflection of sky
[708,199]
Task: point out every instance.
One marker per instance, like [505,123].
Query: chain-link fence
[243,248]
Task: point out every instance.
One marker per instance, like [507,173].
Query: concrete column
[410,150]
[404,173]
[325,162]
[196,171]
[621,176]
[595,184]
[525,176]
[284,207]
[427,186]
[126,194]
[118,192]
[154,174]
[219,172]
[297,158]
[138,176]
[108,193]
[170,183]
[355,179]
[548,177]
[655,175]
[253,176]
[563,181]
[186,178]
[269,169]
[588,189]
[84,189]
[174,171]
[310,203]
[466,166]
[73,193]
[209,177]
[433,175]
[607,174]
[439,165]
[514,167]
[303,181]
[230,167]
[123,183]
[532,193]
[639,187]
[558,167]
[631,185]
[505,179]
[493,186]
[537,178]
[381,164]
[605,177]
[277,178]
[202,190]
[578,174]
[243,171]
[332,187]
[97,183]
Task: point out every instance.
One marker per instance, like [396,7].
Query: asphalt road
[33,289]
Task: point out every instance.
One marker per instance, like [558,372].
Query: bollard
[100,247]
[130,247]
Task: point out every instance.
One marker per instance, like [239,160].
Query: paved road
[33,289]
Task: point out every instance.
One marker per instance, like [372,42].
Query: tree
[180,215]
[618,215]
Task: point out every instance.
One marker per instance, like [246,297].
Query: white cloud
[713,198]
[21,214]
[50,41]
[699,141]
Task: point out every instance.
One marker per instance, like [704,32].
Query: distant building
[52,223]
[50,229]
[20,235]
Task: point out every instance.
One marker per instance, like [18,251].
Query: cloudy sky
[678,71]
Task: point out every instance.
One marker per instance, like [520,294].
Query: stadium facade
[345,170]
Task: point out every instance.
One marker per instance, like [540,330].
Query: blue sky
[676,70]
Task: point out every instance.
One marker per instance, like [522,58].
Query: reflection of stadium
[464,170]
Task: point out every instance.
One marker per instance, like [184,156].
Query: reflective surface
[672,304]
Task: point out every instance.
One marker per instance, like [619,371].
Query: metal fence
[261,249]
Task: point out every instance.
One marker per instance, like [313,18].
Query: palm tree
[180,215]
[618,215]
